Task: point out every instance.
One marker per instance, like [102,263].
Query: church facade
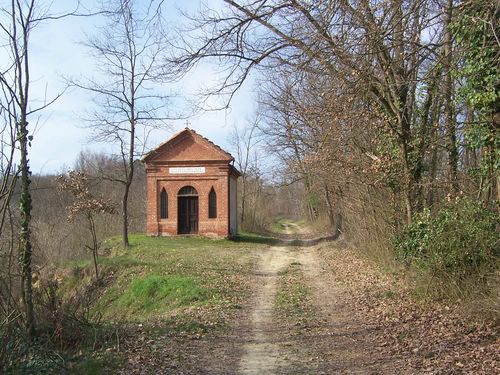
[191,188]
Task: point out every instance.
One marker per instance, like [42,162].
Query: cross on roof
[187,124]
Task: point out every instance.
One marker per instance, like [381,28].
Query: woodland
[383,115]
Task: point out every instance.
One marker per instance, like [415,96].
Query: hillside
[193,305]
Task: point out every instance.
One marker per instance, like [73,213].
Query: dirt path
[345,345]
[262,354]
[329,343]
[345,323]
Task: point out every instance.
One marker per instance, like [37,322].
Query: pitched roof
[171,142]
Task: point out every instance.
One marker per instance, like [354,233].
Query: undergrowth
[454,252]
[67,336]
[181,285]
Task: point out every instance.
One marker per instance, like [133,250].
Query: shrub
[11,342]
[65,323]
[67,333]
[456,244]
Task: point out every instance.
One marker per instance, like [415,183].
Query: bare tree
[129,51]
[244,143]
[8,139]
[315,132]
[17,22]
[288,128]
[87,205]
[8,176]
[382,48]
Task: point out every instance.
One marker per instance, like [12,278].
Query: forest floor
[318,310]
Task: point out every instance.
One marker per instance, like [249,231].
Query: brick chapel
[191,188]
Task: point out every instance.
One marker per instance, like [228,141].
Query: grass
[101,364]
[283,224]
[293,299]
[160,277]
[41,358]
[278,226]
[154,292]
[245,237]
[164,285]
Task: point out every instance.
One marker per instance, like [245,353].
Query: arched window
[188,191]
[212,204]
[163,204]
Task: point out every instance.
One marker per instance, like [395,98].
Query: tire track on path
[262,354]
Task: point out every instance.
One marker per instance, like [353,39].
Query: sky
[59,131]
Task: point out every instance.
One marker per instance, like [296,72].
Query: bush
[10,340]
[457,244]
[68,332]
[65,322]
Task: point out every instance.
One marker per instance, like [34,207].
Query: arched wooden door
[187,211]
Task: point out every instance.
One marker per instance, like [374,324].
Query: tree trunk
[331,213]
[311,210]
[432,176]
[408,183]
[95,244]
[494,130]
[427,121]
[490,154]
[129,169]
[451,135]
[125,215]
[25,248]
[243,199]
[411,179]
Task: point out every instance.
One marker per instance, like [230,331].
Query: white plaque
[186,170]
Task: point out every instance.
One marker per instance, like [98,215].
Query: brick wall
[188,150]
[215,176]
